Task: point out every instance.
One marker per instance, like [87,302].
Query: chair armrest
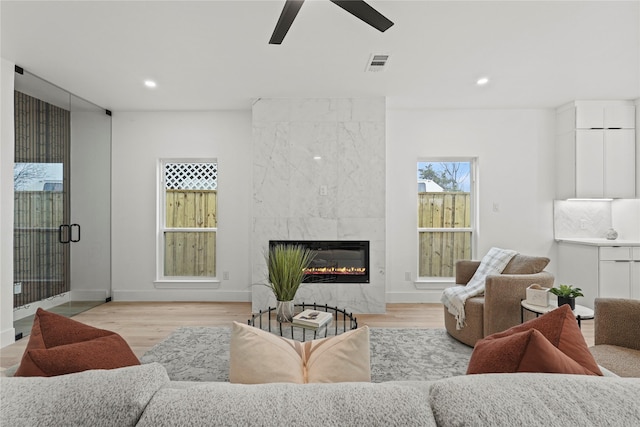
[465,269]
[616,322]
[502,296]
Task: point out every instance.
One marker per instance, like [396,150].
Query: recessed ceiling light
[482,81]
[317,157]
[150,83]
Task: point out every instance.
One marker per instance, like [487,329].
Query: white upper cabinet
[589,164]
[604,115]
[605,163]
[596,150]
[619,163]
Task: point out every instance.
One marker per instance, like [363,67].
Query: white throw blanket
[454,297]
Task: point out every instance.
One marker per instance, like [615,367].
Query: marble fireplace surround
[339,196]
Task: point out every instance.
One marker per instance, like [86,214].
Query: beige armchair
[617,335]
[499,308]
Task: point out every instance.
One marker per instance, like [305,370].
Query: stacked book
[312,319]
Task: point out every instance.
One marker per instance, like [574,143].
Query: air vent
[377,62]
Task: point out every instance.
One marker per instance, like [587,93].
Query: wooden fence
[39,260]
[439,250]
[190,253]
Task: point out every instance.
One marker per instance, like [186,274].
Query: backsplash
[591,219]
[625,215]
[581,218]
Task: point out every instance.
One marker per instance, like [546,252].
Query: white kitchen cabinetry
[596,150]
[635,274]
[607,272]
[605,163]
[618,275]
[597,115]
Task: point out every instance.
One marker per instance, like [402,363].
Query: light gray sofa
[144,396]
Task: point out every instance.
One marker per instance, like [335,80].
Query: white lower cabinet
[618,275]
[635,278]
[607,272]
[635,273]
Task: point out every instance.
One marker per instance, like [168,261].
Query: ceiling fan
[357,8]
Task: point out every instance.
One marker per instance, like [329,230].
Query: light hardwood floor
[143,324]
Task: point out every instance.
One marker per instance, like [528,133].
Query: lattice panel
[191,176]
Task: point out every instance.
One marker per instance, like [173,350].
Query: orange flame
[336,270]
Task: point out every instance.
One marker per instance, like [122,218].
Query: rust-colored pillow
[559,326]
[526,351]
[59,345]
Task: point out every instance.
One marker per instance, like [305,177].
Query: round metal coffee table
[342,322]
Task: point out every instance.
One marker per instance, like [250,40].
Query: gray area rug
[202,354]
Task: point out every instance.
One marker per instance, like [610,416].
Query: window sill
[187,284]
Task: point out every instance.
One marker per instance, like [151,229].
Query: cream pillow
[259,357]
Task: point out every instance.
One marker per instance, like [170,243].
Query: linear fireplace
[336,261]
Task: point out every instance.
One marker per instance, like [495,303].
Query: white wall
[7,332]
[516,171]
[139,141]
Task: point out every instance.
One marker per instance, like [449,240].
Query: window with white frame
[189,219]
[445,215]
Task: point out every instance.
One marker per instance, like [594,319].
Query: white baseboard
[432,296]
[167,295]
[7,337]
[88,295]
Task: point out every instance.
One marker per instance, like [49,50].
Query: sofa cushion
[524,264]
[559,326]
[258,356]
[114,397]
[59,345]
[535,400]
[279,404]
[526,351]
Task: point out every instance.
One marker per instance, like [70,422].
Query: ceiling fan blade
[363,11]
[289,12]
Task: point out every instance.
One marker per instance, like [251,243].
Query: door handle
[63,234]
[66,233]
[71,228]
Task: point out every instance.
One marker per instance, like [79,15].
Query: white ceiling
[208,55]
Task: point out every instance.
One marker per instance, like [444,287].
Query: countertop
[598,242]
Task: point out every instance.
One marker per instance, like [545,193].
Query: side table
[266,320]
[581,312]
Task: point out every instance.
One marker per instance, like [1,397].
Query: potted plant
[287,265]
[567,295]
